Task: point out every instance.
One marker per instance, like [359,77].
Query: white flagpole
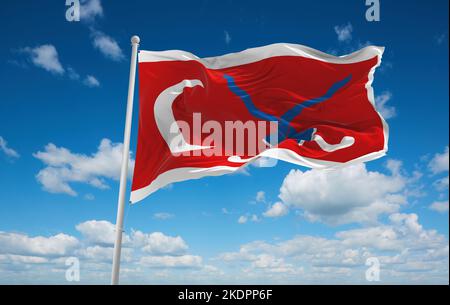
[124,169]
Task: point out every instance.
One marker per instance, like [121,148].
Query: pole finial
[135,39]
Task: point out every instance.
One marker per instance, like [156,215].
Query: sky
[62,110]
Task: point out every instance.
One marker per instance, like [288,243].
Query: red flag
[210,116]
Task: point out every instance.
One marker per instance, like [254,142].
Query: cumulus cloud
[183,261]
[344,195]
[439,206]
[90,10]
[64,167]
[25,255]
[8,151]
[107,45]
[439,163]
[157,243]
[98,232]
[45,57]
[278,209]
[381,101]
[402,246]
[344,32]
[21,244]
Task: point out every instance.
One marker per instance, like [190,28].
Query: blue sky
[65,83]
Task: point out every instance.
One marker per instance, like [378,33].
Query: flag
[211,116]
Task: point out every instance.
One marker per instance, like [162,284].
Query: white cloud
[249,217]
[157,243]
[21,244]
[386,111]
[261,196]
[73,75]
[227,37]
[183,261]
[255,218]
[89,197]
[345,195]
[98,232]
[407,252]
[163,216]
[91,81]
[90,9]
[439,206]
[277,210]
[64,167]
[242,219]
[439,163]
[46,57]
[441,184]
[42,259]
[344,32]
[8,151]
[107,46]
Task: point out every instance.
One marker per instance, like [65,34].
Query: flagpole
[124,169]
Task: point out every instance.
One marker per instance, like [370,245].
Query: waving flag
[283,101]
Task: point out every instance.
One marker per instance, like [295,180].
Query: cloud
[89,197]
[386,111]
[157,243]
[344,32]
[90,10]
[345,195]
[439,163]
[277,210]
[245,218]
[407,252]
[21,244]
[91,81]
[227,37]
[183,261]
[100,232]
[242,219]
[261,196]
[440,39]
[8,151]
[42,259]
[45,57]
[64,167]
[73,75]
[163,216]
[107,46]
[439,206]
[441,184]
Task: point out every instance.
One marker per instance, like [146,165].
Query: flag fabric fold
[283,101]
